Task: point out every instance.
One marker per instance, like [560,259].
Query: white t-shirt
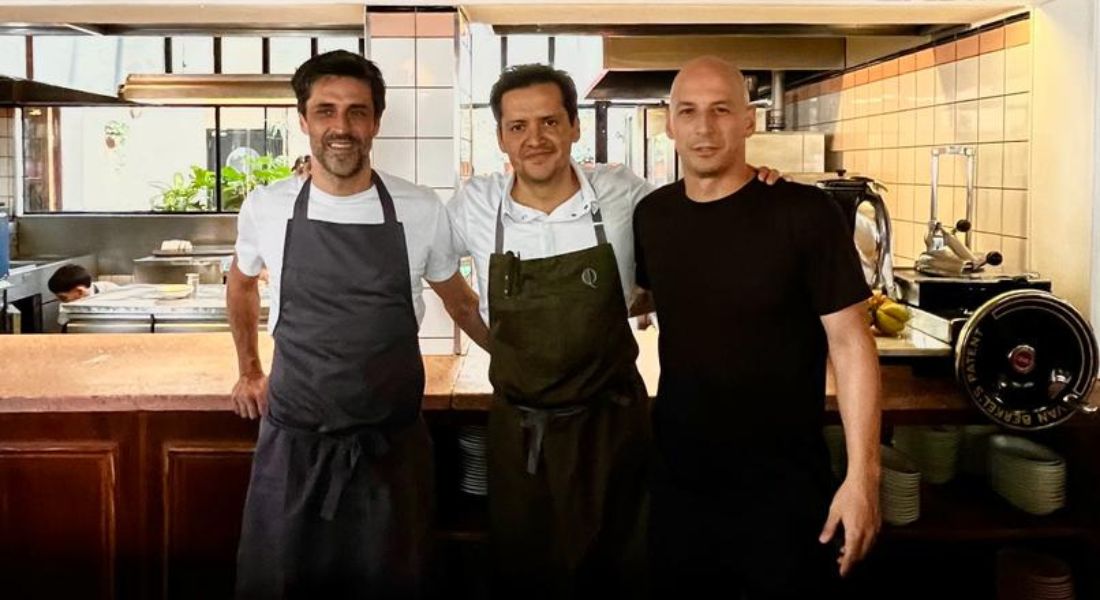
[261,230]
[534,234]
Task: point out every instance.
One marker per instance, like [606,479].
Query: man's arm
[641,302]
[242,297]
[462,304]
[855,361]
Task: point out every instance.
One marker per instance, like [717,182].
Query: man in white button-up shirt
[569,426]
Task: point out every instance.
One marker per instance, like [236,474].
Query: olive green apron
[569,427]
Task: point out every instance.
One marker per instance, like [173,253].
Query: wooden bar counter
[123,470]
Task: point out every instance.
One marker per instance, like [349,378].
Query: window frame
[219,209]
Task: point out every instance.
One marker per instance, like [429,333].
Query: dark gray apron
[569,427]
[340,499]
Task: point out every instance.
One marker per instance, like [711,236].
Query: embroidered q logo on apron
[589,276]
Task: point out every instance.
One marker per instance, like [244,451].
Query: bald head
[710,118]
[710,71]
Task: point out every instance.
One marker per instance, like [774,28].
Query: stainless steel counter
[143,308]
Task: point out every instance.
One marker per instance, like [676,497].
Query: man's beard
[346,164]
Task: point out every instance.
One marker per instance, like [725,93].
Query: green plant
[193,192]
[261,170]
[114,133]
[186,192]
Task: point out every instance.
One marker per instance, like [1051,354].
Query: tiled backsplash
[7,159]
[885,118]
[416,53]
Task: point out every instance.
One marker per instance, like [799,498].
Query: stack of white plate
[974,449]
[935,450]
[472,443]
[838,453]
[1024,575]
[899,492]
[1030,476]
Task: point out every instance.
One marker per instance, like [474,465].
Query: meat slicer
[1026,358]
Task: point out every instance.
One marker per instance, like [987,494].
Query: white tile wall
[944,124]
[435,62]
[887,129]
[1017,117]
[435,163]
[396,57]
[396,157]
[399,120]
[1018,69]
[435,112]
[991,119]
[966,79]
[1016,165]
[945,83]
[966,122]
[990,165]
[991,74]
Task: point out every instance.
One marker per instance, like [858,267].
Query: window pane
[95,64]
[582,57]
[325,44]
[85,63]
[288,53]
[117,159]
[584,149]
[193,55]
[242,55]
[487,155]
[620,136]
[526,49]
[13,55]
[486,60]
[254,150]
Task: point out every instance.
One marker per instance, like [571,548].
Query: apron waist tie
[537,419]
[349,449]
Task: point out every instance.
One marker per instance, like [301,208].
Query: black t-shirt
[740,285]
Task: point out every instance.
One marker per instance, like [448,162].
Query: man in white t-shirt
[339,503]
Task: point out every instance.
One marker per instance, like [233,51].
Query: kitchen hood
[26,92]
[642,67]
[205,90]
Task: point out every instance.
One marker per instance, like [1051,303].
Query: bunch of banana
[887,316]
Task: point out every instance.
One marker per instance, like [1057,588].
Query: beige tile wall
[884,119]
[7,159]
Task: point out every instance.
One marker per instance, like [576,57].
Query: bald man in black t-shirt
[754,286]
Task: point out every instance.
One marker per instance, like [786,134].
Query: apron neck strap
[389,214]
[597,225]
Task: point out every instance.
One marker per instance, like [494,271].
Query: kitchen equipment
[193,284]
[1027,359]
[158,269]
[196,250]
[866,214]
[153,308]
[944,254]
[5,245]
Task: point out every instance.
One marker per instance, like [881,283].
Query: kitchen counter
[143,301]
[195,372]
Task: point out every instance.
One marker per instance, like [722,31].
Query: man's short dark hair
[339,63]
[522,76]
[68,278]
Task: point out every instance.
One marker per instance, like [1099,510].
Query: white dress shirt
[534,234]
